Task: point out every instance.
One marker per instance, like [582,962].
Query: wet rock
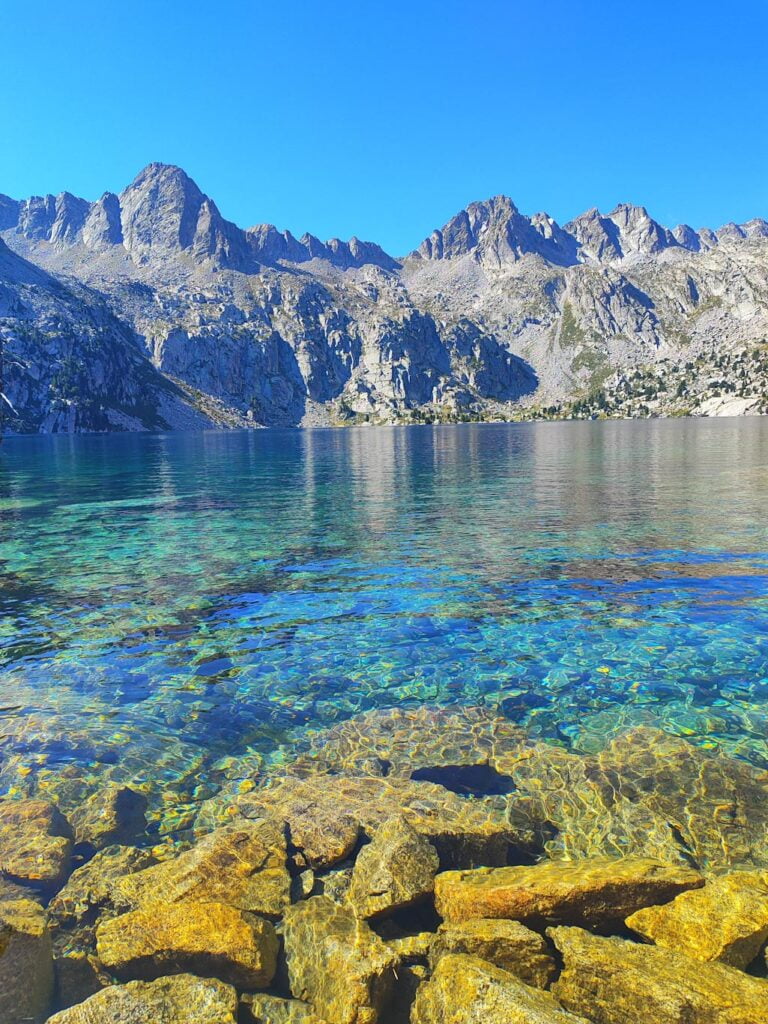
[325,815]
[727,920]
[412,947]
[506,944]
[334,884]
[26,962]
[211,939]
[178,999]
[91,887]
[35,843]
[112,815]
[615,981]
[395,870]
[336,963]
[263,1009]
[596,893]
[242,865]
[467,990]
[77,975]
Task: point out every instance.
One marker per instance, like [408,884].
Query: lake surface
[175,609]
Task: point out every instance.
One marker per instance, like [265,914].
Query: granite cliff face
[149,310]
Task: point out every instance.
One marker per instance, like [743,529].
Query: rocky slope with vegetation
[149,310]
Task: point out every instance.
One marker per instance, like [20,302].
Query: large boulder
[211,939]
[506,944]
[26,962]
[395,870]
[112,815]
[727,920]
[243,865]
[467,990]
[35,843]
[336,963]
[615,981]
[179,999]
[596,893]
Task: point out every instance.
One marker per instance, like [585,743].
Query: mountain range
[148,310]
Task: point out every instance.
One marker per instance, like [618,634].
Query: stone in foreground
[91,887]
[467,990]
[336,963]
[35,843]
[26,962]
[242,865]
[180,999]
[395,870]
[614,981]
[595,893]
[727,920]
[506,944]
[211,939]
[263,1009]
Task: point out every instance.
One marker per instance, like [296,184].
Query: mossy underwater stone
[112,815]
[243,865]
[265,1009]
[395,870]
[336,963]
[178,999]
[598,892]
[210,939]
[91,887]
[616,981]
[726,921]
[26,962]
[505,944]
[35,843]
[466,990]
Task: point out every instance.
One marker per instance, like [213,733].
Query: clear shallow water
[178,609]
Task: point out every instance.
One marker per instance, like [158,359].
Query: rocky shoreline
[423,866]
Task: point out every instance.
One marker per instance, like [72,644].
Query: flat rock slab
[727,920]
[211,939]
[467,990]
[26,962]
[180,999]
[336,963]
[242,865]
[615,981]
[506,944]
[35,843]
[596,893]
[395,870]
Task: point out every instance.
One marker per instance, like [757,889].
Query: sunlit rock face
[155,312]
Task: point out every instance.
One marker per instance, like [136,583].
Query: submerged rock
[263,1009]
[506,944]
[211,939]
[596,893]
[614,981]
[112,815]
[325,815]
[90,887]
[336,963]
[179,999]
[242,865]
[395,870]
[35,843]
[467,990]
[727,920]
[26,962]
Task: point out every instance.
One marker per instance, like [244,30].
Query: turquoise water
[177,610]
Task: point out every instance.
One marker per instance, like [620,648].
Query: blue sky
[384,119]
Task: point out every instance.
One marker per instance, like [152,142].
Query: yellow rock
[727,920]
[210,939]
[180,999]
[615,981]
[597,892]
[506,944]
[26,962]
[35,842]
[467,990]
[393,871]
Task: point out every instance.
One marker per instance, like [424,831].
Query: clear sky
[384,119]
